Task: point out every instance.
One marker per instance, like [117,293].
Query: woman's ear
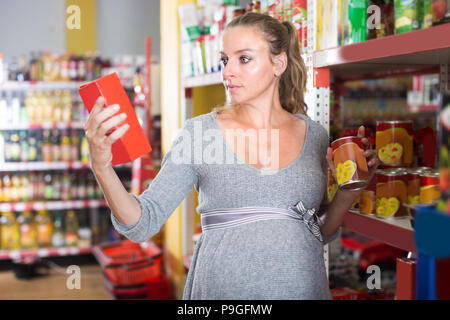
[279,64]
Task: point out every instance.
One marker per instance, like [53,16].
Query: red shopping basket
[128,263]
[156,289]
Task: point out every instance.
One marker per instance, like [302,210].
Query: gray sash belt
[230,217]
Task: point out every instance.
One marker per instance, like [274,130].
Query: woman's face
[247,67]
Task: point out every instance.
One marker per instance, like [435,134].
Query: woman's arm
[125,207]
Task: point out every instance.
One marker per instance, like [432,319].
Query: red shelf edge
[393,235]
[433,38]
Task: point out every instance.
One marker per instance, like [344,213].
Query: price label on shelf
[5,207]
[63,251]
[39,206]
[43,253]
[20,206]
[78,204]
[94,203]
[14,255]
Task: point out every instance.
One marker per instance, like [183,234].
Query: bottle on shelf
[71,229]
[57,183]
[56,145]
[84,149]
[84,231]
[57,106]
[14,147]
[49,190]
[27,227]
[39,107]
[66,148]
[75,146]
[32,146]
[44,225]
[48,107]
[24,146]
[15,188]
[6,188]
[65,187]
[34,72]
[47,152]
[58,237]
[26,192]
[66,103]
[9,232]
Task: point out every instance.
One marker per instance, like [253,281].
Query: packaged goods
[439,8]
[299,19]
[386,22]
[9,232]
[44,225]
[28,232]
[429,187]
[134,142]
[367,200]
[391,192]
[357,14]
[444,154]
[352,172]
[413,186]
[71,230]
[406,14]
[343,23]
[394,142]
[58,237]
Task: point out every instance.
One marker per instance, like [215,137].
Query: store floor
[52,285]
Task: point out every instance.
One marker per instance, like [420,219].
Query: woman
[262,238]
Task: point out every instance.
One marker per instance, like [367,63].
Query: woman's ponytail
[293,80]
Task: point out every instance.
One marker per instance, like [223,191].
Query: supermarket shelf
[423,108]
[203,80]
[420,51]
[51,205]
[50,125]
[40,85]
[397,233]
[54,165]
[30,166]
[43,252]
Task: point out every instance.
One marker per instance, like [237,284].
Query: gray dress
[269,259]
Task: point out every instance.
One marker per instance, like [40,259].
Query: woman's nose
[228,71]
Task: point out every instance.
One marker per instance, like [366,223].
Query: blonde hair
[281,37]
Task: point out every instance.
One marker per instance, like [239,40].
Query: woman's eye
[223,61]
[244,59]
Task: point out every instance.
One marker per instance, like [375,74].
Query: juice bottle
[56,145]
[24,146]
[27,227]
[25,194]
[57,107]
[30,103]
[6,188]
[75,146]
[71,229]
[14,146]
[9,231]
[44,226]
[49,190]
[66,106]
[15,187]
[32,146]
[47,154]
[84,150]
[58,239]
[66,148]
[48,107]
[64,67]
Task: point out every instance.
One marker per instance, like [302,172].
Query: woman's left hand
[370,155]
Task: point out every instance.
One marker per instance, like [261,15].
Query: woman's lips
[233,87]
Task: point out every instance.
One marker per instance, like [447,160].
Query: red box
[134,143]
[406,279]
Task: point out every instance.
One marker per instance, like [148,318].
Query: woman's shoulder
[316,130]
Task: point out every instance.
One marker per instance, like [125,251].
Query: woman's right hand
[101,120]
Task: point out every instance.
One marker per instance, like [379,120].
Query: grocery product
[429,187]
[71,230]
[9,232]
[413,185]
[391,193]
[406,14]
[299,19]
[134,143]
[394,142]
[352,172]
[58,236]
[367,199]
[28,232]
[44,225]
[357,14]
[386,22]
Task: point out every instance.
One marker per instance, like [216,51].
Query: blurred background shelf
[208,79]
[43,252]
[51,205]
